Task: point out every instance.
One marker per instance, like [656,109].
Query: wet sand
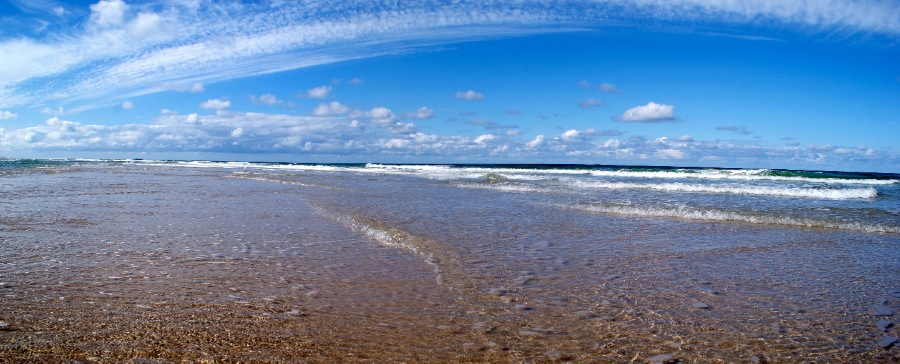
[116,264]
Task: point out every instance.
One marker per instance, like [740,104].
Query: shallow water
[207,261]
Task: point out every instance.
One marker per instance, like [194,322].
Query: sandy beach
[158,265]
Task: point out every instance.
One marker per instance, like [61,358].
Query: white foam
[384,238]
[445,172]
[719,215]
[821,193]
[735,175]
[505,187]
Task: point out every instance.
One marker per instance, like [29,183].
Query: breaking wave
[730,216]
[804,192]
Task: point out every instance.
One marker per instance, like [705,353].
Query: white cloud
[130,49]
[484,138]
[320,92]
[127,105]
[422,113]
[168,112]
[612,143]
[570,135]
[7,115]
[108,13]
[670,154]
[343,135]
[356,81]
[215,104]
[650,113]
[538,140]
[403,128]
[266,99]
[382,116]
[469,95]
[330,109]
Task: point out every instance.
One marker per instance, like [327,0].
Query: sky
[716,83]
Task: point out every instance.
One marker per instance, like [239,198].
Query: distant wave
[449,171]
[719,215]
[742,175]
[533,172]
[822,193]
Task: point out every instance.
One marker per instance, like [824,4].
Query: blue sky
[752,84]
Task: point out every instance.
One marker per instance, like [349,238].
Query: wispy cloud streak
[127,50]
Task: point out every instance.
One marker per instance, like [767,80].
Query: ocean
[122,260]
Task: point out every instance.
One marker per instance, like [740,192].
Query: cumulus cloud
[330,109]
[484,138]
[586,134]
[344,135]
[215,104]
[266,99]
[650,113]
[7,115]
[192,118]
[127,105]
[536,142]
[108,13]
[320,92]
[469,95]
[422,113]
[570,135]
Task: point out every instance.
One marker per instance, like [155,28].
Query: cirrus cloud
[134,48]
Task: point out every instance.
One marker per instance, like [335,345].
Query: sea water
[526,262]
